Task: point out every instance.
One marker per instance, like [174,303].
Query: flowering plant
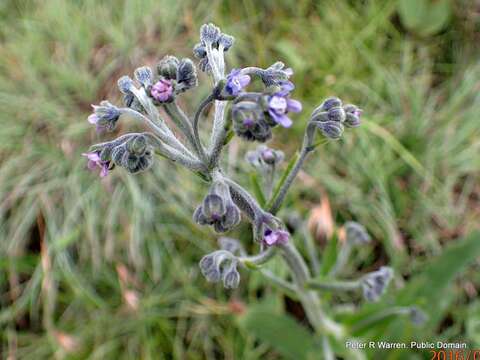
[251,116]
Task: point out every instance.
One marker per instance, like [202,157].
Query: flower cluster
[251,116]
[331,117]
[221,265]
[218,209]
[255,114]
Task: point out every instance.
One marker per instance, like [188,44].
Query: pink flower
[275,237]
[162,90]
[94,161]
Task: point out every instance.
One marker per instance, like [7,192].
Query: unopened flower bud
[186,75]
[417,316]
[275,74]
[135,154]
[209,33]
[144,76]
[105,116]
[331,129]
[125,84]
[264,156]
[352,115]
[330,103]
[336,114]
[231,276]
[226,41]
[356,233]
[199,51]
[374,284]
[167,67]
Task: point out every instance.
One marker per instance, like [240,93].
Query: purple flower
[286,87]
[104,116]
[93,119]
[279,104]
[162,90]
[236,82]
[275,237]
[94,161]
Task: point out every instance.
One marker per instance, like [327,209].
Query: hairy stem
[164,136]
[334,285]
[219,133]
[308,298]
[183,123]
[277,201]
[196,119]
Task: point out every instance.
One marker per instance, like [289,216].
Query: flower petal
[92,119]
[282,120]
[244,80]
[294,105]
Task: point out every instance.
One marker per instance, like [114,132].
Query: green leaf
[430,286]
[431,290]
[280,331]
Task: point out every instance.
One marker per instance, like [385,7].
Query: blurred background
[107,269]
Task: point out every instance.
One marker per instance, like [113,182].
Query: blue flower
[236,82]
[279,105]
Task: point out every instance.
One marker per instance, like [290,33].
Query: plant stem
[183,123]
[311,251]
[164,136]
[288,288]
[334,285]
[196,119]
[255,261]
[277,201]
[308,298]
[219,133]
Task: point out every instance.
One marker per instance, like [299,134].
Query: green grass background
[108,269]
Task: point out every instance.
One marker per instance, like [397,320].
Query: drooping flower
[236,82]
[375,283]
[275,237]
[218,209]
[162,91]
[94,161]
[249,121]
[221,265]
[264,156]
[279,105]
[104,116]
[135,154]
[231,276]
